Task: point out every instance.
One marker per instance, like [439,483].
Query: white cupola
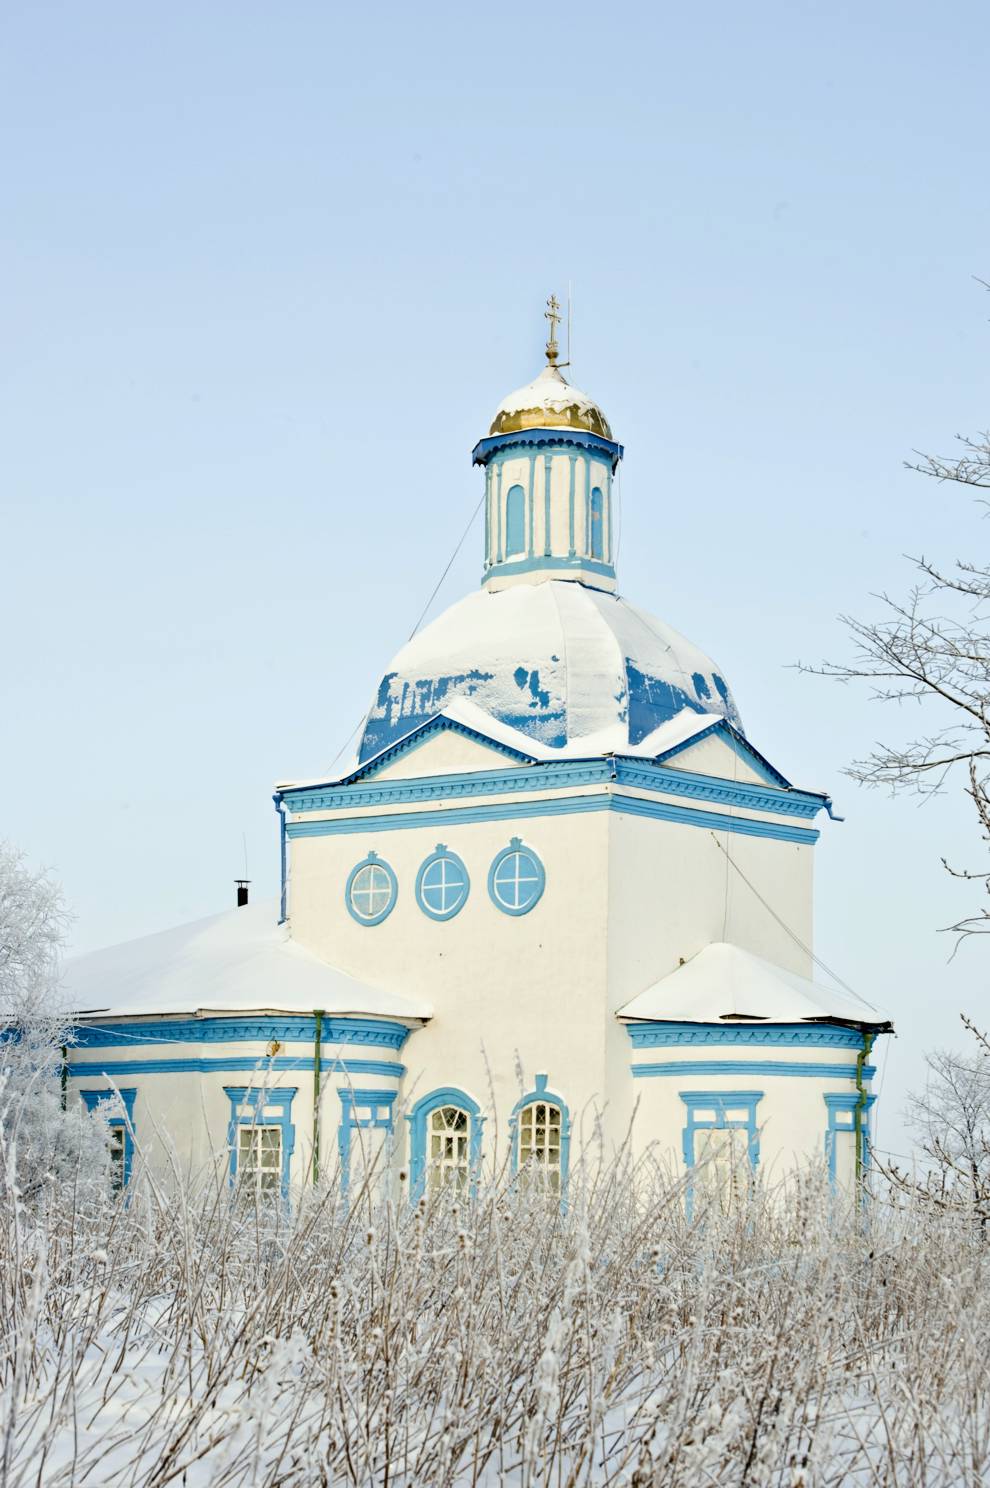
[549,460]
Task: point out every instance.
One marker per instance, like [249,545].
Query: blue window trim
[541,1092]
[418,1118]
[372,861]
[92,1098]
[368,1109]
[516,845]
[718,1101]
[442,853]
[841,1119]
[254,1098]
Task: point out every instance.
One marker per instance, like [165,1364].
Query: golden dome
[549,402]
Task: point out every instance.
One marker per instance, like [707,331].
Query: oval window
[517,879]
[371,891]
[442,884]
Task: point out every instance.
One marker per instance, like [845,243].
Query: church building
[558,905]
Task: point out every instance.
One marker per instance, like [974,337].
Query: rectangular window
[259,1157]
[722,1160]
[118,1156]
[119,1139]
[721,1145]
[840,1138]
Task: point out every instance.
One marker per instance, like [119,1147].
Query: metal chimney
[242,891]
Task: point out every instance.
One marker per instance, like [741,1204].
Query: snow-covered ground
[182,1337]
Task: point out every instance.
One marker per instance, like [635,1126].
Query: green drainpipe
[860,1105]
[317,1070]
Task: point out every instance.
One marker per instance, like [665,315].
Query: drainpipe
[317,1071]
[860,1105]
[65,1073]
[280,808]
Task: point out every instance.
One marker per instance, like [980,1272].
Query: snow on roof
[725,982]
[549,401]
[612,739]
[240,961]
[556,660]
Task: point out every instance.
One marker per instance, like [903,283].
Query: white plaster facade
[654,839]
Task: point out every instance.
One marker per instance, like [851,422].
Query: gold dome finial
[552,314]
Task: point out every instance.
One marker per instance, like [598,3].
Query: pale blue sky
[266,271]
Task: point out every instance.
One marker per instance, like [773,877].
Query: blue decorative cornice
[401,821]
[788,1035]
[258,1029]
[554,774]
[562,439]
[232,1064]
[788,1067]
[547,562]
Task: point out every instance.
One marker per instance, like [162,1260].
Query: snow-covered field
[184,1338]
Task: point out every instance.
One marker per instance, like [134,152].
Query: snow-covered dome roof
[559,661]
[549,402]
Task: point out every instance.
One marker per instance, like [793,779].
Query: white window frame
[448,1148]
[253,1141]
[540,1142]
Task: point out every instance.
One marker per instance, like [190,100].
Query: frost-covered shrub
[177,1336]
[48,1139]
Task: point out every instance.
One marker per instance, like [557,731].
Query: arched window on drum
[597,524]
[515,522]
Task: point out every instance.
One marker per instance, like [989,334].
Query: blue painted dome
[558,660]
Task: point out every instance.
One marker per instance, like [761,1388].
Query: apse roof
[725,983]
[237,962]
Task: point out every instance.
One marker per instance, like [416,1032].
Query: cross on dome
[552,314]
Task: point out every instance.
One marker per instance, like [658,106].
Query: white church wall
[504,988]
[673,890]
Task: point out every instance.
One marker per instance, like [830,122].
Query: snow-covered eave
[241,963]
[755,1020]
[659,747]
[266,1010]
[723,984]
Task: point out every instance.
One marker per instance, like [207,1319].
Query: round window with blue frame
[371,890]
[516,879]
[442,884]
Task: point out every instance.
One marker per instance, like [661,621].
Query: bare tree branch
[932,650]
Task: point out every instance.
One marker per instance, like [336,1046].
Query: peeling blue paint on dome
[556,660]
